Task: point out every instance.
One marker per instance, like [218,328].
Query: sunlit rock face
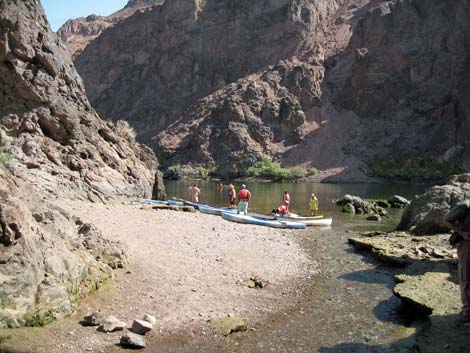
[77,33]
[58,143]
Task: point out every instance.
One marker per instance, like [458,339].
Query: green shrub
[175,168]
[4,157]
[265,167]
[410,169]
[313,171]
[298,172]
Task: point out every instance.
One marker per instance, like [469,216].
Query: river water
[267,196]
[347,307]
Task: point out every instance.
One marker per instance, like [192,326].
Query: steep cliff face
[406,75]
[161,62]
[58,142]
[58,147]
[382,79]
[77,33]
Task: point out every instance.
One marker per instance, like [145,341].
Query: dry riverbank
[185,268]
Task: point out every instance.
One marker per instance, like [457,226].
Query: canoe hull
[309,221]
[261,222]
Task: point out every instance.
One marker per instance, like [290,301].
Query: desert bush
[126,131]
[266,168]
[298,172]
[4,157]
[313,171]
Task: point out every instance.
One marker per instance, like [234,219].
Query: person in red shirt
[244,197]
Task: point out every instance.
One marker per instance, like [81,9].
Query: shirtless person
[194,192]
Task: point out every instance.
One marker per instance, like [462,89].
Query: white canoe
[309,221]
[262,222]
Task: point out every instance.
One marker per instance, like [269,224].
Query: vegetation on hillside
[266,168]
[4,157]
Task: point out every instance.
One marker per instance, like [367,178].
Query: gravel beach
[185,269]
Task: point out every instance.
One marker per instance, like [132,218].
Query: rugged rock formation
[425,213]
[164,61]
[58,147]
[77,33]
[397,90]
[58,143]
[48,260]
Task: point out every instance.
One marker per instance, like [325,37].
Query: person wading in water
[244,197]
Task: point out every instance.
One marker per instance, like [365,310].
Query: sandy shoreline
[185,268]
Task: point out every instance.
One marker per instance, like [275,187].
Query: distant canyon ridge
[344,86]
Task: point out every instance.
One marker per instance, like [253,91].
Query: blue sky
[59,11]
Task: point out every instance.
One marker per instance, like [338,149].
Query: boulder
[111,324]
[141,327]
[398,201]
[131,340]
[424,215]
[228,325]
[151,319]
[360,205]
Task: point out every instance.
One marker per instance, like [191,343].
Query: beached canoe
[163,202]
[307,220]
[262,221]
[215,210]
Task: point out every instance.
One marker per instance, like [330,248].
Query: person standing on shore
[313,205]
[244,197]
[232,195]
[194,192]
[286,201]
[458,219]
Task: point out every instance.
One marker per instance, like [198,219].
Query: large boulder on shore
[425,213]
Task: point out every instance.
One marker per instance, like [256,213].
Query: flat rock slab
[228,325]
[430,293]
[403,249]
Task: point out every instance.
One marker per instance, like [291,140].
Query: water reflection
[267,196]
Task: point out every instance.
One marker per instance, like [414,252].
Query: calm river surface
[347,307]
[267,196]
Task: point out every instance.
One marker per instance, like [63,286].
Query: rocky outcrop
[426,212]
[77,33]
[260,114]
[57,146]
[57,141]
[48,259]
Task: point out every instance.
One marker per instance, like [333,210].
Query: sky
[59,11]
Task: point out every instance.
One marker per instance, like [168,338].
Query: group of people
[283,208]
[241,199]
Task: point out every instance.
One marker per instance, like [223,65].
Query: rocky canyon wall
[57,147]
[329,84]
